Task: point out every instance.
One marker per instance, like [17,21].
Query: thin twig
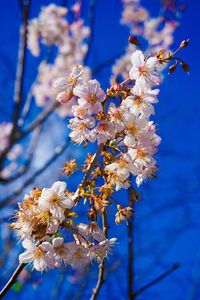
[12,280]
[101,279]
[88,172]
[40,119]
[130,266]
[91,22]
[29,156]
[173,268]
[58,152]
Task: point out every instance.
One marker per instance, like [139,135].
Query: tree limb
[101,280]
[173,268]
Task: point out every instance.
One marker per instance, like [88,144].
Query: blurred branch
[12,280]
[27,182]
[105,64]
[19,76]
[173,268]
[91,22]
[30,153]
[101,280]
[42,117]
[130,266]
[20,66]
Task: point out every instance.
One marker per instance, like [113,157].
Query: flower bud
[184,44]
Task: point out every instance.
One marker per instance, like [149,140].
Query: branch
[91,19]
[130,266]
[173,268]
[58,152]
[20,65]
[12,280]
[19,76]
[101,280]
[40,119]
[88,172]
[29,156]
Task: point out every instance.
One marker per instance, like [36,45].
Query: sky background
[167,223]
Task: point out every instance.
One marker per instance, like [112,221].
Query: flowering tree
[118,121]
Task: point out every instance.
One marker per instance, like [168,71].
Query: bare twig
[20,65]
[90,167]
[130,266]
[91,22]
[101,279]
[29,156]
[12,280]
[58,152]
[40,119]
[173,268]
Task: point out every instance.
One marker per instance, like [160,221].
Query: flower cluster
[156,32]
[52,28]
[41,222]
[125,127]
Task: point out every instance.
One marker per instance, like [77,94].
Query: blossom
[92,230]
[105,131]
[54,200]
[68,83]
[78,255]
[81,130]
[120,171]
[123,214]
[144,69]
[50,26]
[41,259]
[142,99]
[90,96]
[116,116]
[102,249]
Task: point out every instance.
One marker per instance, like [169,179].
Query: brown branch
[90,167]
[12,280]
[130,266]
[101,279]
[173,268]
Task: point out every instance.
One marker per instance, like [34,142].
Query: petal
[137,58]
[59,187]
[26,257]
[57,242]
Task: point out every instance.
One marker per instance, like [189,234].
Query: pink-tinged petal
[40,264]
[59,187]
[134,73]
[63,97]
[26,257]
[57,242]
[46,246]
[152,62]
[137,58]
[57,212]
[60,83]
[81,92]
[29,245]
[67,203]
